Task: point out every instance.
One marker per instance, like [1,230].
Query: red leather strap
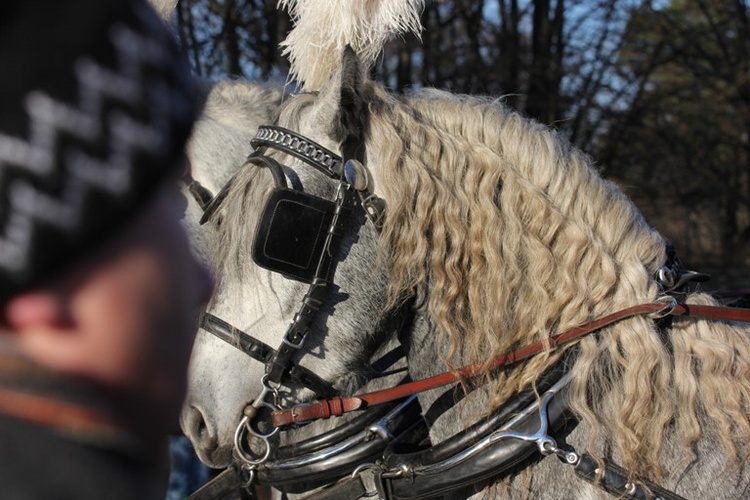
[334,407]
[322,409]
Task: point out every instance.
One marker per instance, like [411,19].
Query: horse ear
[350,118]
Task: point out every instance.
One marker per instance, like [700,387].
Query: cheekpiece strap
[289,142]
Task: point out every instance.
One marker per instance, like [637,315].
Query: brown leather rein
[337,406]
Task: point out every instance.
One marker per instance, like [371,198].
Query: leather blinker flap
[291,234]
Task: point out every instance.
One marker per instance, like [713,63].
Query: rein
[338,406]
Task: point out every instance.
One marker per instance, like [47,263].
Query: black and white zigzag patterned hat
[95,108]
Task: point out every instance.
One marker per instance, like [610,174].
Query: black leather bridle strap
[263,353]
[200,193]
[615,481]
[350,488]
[295,334]
[316,295]
[228,481]
[259,351]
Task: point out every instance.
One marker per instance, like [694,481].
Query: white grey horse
[220,143]
[497,234]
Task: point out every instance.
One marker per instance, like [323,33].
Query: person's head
[97,281]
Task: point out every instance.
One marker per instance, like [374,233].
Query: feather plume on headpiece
[324,27]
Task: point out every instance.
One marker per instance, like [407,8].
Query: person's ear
[43,329]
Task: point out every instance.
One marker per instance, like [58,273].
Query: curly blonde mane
[512,236]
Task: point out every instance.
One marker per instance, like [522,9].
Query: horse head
[220,142]
[343,335]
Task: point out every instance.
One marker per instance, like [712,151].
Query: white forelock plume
[324,27]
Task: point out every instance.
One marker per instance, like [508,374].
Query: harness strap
[614,480]
[350,488]
[339,406]
[228,481]
[260,351]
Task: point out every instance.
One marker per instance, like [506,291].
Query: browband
[306,150]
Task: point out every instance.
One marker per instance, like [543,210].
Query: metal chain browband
[314,154]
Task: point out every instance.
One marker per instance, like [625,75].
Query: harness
[310,258]
[385,450]
[489,449]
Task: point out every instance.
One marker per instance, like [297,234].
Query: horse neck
[447,409]
[546,259]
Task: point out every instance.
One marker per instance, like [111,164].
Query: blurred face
[138,307]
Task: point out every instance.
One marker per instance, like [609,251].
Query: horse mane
[510,235]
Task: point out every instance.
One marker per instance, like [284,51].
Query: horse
[497,234]
[232,111]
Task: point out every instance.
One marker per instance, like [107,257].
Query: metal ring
[247,472]
[257,434]
[669,307]
[547,446]
[238,434]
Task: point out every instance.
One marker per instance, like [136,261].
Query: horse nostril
[197,429]
[202,429]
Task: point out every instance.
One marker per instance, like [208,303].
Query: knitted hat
[95,109]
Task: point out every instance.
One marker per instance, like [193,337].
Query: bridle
[318,225]
[511,435]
